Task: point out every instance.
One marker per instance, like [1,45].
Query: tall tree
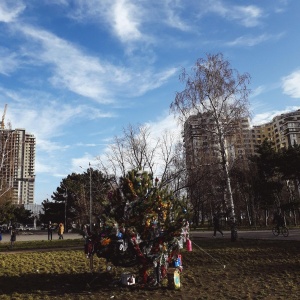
[76,196]
[220,92]
[289,166]
[268,184]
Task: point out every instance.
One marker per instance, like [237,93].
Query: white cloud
[80,73]
[50,115]
[122,17]
[86,75]
[248,16]
[148,80]
[291,84]
[10,10]
[253,41]
[166,122]
[266,117]
[172,10]
[41,167]
[126,20]
[81,164]
[258,91]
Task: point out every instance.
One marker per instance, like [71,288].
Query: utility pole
[66,199]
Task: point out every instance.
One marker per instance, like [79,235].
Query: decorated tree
[141,224]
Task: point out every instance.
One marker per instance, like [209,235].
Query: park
[133,228]
[216,268]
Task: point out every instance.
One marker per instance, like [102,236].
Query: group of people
[13,233]
[60,231]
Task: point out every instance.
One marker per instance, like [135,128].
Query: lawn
[215,269]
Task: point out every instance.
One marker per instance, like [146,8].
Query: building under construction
[17,164]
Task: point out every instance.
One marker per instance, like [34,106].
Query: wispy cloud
[10,10]
[149,80]
[82,74]
[291,84]
[50,115]
[247,15]
[253,41]
[87,75]
[9,61]
[258,91]
[172,10]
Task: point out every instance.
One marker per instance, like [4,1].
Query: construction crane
[3,117]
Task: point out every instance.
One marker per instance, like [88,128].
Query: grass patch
[254,269]
[43,244]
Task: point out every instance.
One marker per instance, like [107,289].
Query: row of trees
[11,214]
[261,185]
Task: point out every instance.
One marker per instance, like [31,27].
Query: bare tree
[220,93]
[138,149]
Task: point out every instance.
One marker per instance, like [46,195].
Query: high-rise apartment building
[202,144]
[17,165]
[283,131]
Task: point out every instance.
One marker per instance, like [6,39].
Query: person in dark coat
[50,229]
[278,220]
[216,223]
[13,236]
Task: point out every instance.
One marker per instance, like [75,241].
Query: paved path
[39,236]
[254,234]
[294,234]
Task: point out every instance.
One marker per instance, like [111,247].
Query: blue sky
[76,72]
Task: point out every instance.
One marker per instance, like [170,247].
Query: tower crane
[3,117]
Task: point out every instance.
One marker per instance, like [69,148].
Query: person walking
[13,236]
[216,223]
[50,228]
[61,231]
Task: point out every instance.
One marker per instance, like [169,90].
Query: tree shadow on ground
[58,284]
[61,284]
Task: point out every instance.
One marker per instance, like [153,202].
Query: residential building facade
[17,168]
[283,131]
[202,144]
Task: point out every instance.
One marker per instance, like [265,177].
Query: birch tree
[220,93]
